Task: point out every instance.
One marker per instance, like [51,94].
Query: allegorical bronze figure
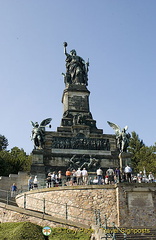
[38,133]
[121,136]
[76,68]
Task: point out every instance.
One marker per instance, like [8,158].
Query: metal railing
[5,197]
[64,211]
[60,210]
[108,231]
[124,234]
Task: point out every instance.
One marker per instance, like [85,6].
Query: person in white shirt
[110,174]
[54,179]
[79,176]
[150,177]
[95,180]
[84,176]
[99,173]
[128,172]
[35,182]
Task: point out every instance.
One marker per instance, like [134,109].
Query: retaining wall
[128,205]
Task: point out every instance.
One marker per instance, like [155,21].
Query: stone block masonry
[78,203]
[127,205]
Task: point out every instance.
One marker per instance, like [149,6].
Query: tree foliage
[14,161]
[143,156]
[3,142]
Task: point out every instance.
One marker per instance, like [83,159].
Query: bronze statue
[76,68]
[121,136]
[38,133]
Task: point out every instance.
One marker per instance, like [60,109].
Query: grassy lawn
[30,231]
[21,230]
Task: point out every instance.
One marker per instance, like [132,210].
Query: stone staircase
[139,236]
[132,233]
[148,234]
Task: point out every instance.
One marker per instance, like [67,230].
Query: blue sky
[118,37]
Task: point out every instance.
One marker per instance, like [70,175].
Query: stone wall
[137,205]
[128,205]
[21,180]
[79,203]
[10,213]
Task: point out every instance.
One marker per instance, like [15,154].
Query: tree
[3,142]
[135,145]
[5,159]
[143,156]
[14,161]
[148,159]
[20,161]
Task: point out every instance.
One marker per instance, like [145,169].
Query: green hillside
[30,231]
[19,231]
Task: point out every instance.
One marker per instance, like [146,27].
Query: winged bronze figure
[121,136]
[38,133]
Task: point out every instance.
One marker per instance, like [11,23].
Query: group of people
[109,177]
[77,177]
[81,177]
[143,178]
[74,177]
[116,176]
[32,183]
[54,179]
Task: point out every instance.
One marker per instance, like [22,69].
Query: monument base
[125,159]
[38,167]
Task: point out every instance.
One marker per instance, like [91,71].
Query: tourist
[134,178]
[74,179]
[54,179]
[59,179]
[139,177]
[99,173]
[95,181]
[13,190]
[68,175]
[35,182]
[84,176]
[110,174]
[106,179]
[150,177]
[79,176]
[49,180]
[30,184]
[117,175]
[90,181]
[128,172]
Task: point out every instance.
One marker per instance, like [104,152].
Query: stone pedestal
[38,167]
[125,159]
[76,98]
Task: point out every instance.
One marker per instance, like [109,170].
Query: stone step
[137,234]
[142,236]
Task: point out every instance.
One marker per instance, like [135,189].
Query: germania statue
[76,68]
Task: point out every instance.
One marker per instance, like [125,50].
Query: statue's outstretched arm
[87,65]
[65,49]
